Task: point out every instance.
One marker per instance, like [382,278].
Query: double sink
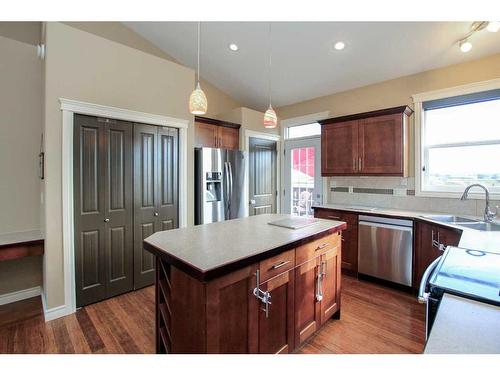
[465,222]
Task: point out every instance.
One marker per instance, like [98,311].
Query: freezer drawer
[386,250]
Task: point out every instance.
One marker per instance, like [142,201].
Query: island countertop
[210,250]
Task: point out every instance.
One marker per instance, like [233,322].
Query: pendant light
[198,101]
[270,118]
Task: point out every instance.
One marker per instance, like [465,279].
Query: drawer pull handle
[321,246]
[280,264]
[334,217]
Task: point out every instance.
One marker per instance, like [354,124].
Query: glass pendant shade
[270,118]
[198,101]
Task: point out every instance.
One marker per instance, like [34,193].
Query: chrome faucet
[489,216]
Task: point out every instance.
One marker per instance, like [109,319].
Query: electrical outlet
[351,189]
[333,183]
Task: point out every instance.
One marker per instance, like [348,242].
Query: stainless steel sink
[483,226]
[452,219]
[465,222]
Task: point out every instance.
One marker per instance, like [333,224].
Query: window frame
[421,151]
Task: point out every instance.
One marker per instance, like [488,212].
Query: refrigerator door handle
[230,167]
[226,189]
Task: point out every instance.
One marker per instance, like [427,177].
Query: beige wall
[218,101]
[85,67]
[20,132]
[396,92]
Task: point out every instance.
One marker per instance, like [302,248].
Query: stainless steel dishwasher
[385,248]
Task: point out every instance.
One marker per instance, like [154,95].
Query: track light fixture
[465,44]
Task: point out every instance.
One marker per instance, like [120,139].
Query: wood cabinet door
[276,330]
[329,269]
[307,306]
[339,148]
[232,313]
[228,138]
[206,135]
[349,237]
[381,145]
[424,253]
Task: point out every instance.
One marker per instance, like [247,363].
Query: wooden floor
[374,319]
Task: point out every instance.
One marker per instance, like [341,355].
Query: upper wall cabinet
[371,143]
[217,134]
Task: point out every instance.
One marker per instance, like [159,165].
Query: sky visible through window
[452,139]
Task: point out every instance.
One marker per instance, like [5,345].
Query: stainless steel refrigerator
[220,185]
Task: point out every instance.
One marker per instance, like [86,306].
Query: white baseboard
[55,312]
[19,295]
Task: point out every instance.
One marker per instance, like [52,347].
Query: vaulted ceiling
[304,63]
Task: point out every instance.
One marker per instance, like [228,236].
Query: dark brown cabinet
[125,188]
[349,237]
[307,306]
[430,242]
[329,271]
[371,143]
[276,327]
[216,134]
[223,315]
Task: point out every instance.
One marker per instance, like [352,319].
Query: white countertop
[471,239]
[19,237]
[210,246]
[464,326]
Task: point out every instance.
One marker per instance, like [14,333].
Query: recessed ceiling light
[339,46]
[233,47]
[493,26]
[465,45]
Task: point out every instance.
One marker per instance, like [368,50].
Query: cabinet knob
[106,220]
[156,214]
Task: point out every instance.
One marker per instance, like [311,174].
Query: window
[460,142]
[301,131]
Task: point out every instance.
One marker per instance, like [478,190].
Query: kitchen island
[244,286]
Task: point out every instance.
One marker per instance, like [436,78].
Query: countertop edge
[465,241]
[224,269]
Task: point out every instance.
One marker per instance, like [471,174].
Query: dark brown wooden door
[339,148]
[119,207]
[155,192]
[232,313]
[168,179]
[206,135]
[229,138]
[145,200]
[330,277]
[381,145]
[103,208]
[307,307]
[262,176]
[276,331]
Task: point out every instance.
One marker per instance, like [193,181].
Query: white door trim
[304,142]
[247,134]
[69,108]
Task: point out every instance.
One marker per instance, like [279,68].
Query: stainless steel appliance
[220,185]
[385,248]
[466,273]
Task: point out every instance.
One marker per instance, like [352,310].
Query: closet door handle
[106,220]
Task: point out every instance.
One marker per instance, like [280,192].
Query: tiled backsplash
[380,192]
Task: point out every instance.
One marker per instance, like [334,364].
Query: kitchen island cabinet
[236,286]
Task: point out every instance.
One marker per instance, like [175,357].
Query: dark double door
[125,189]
